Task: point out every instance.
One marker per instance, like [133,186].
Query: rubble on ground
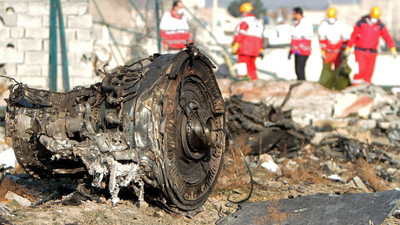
[306,102]
[367,128]
[265,127]
[310,141]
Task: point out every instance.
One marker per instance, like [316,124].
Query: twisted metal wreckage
[155,125]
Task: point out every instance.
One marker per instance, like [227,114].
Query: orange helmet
[331,12]
[246,7]
[375,12]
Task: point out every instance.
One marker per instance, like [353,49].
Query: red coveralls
[333,52]
[174,31]
[249,36]
[365,36]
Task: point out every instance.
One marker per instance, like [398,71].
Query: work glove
[261,53]
[346,53]
[290,54]
[323,56]
[393,52]
[235,48]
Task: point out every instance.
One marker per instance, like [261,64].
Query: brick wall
[24,41]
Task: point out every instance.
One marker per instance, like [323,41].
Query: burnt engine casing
[157,126]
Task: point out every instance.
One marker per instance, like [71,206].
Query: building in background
[131,33]
[24,41]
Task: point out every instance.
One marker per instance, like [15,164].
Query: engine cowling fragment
[155,126]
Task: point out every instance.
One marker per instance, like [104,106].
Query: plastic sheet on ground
[371,208]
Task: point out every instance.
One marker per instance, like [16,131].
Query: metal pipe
[53,46]
[64,58]
[158,25]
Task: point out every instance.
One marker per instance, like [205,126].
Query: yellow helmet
[246,7]
[331,12]
[375,12]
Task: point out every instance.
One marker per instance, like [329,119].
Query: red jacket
[366,35]
[174,31]
[302,35]
[249,36]
[333,36]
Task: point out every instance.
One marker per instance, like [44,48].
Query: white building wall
[24,41]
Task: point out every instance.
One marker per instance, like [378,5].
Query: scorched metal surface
[155,126]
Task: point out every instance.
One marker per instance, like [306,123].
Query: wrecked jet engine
[157,127]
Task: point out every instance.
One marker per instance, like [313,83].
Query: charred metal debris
[347,149]
[155,126]
[266,128]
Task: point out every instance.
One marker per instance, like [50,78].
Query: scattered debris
[349,149]
[351,104]
[335,177]
[368,175]
[4,210]
[265,127]
[267,162]
[360,184]
[8,185]
[291,165]
[21,200]
[305,102]
[331,167]
[292,137]
[75,199]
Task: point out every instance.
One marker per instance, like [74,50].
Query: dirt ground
[127,212]
[304,175]
[297,177]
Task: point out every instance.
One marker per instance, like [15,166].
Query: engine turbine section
[156,125]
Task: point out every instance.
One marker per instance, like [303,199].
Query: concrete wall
[24,41]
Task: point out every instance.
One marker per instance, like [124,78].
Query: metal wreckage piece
[265,128]
[157,128]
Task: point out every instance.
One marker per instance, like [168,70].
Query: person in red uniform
[365,37]
[174,28]
[247,41]
[300,45]
[332,38]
